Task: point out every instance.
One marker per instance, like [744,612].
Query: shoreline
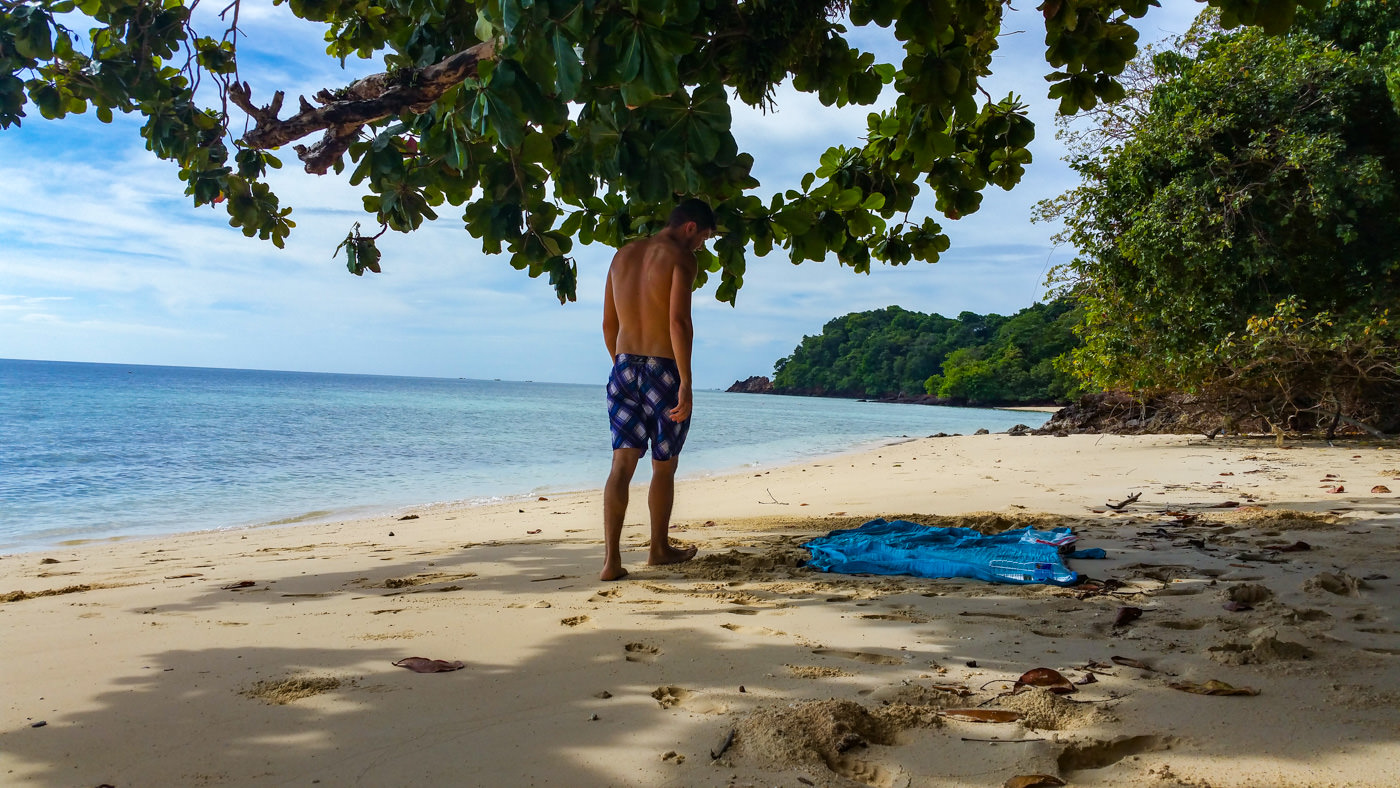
[892,399]
[366,512]
[263,656]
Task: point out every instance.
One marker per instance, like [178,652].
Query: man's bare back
[646,308]
[648,332]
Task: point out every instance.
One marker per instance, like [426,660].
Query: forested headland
[971,359]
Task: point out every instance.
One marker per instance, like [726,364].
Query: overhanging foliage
[550,122]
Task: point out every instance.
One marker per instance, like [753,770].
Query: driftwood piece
[1118,507]
[343,112]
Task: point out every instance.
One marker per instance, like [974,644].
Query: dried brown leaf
[1132,663]
[1380,488]
[1213,687]
[425,665]
[1046,678]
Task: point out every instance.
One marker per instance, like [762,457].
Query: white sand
[150,676]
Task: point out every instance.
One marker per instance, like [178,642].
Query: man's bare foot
[612,574]
[670,555]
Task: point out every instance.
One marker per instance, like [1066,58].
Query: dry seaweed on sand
[283,691]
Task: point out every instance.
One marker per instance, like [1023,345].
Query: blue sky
[105,260]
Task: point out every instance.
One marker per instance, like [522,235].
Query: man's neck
[670,235]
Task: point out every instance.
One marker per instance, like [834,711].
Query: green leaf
[569,70]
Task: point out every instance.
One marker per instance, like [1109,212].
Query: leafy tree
[1238,237]
[1017,363]
[550,122]
[977,359]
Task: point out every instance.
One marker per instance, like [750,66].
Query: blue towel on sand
[904,548]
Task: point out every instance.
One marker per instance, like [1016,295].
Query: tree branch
[343,112]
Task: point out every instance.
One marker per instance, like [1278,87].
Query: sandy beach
[264,656]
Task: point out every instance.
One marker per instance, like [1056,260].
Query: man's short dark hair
[692,210]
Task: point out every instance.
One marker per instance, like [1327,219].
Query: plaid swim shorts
[642,390]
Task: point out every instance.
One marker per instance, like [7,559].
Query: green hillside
[973,359]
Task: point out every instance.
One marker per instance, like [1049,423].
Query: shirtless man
[647,327]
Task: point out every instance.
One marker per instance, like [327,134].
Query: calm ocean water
[91,451]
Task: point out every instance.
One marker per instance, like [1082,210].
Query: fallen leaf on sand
[1132,663]
[982,715]
[1046,678]
[1224,505]
[1213,687]
[1033,781]
[1338,489]
[1089,678]
[239,584]
[425,665]
[1296,547]
[537,530]
[1380,488]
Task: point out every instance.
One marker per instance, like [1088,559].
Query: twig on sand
[1001,741]
[772,499]
[1118,507]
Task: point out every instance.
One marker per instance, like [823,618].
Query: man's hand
[681,412]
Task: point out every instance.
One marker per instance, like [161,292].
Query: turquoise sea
[93,451]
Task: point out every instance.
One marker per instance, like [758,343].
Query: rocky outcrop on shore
[758,384]
[1123,414]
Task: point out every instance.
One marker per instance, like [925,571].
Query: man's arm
[682,331]
[611,323]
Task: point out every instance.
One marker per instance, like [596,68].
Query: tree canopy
[1238,236]
[551,122]
[973,359]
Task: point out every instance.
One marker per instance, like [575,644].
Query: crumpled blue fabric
[1020,556]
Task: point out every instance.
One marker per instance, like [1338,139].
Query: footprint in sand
[607,593]
[860,656]
[1098,753]
[867,773]
[740,628]
[671,696]
[907,618]
[573,621]
[641,652]
[1181,625]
